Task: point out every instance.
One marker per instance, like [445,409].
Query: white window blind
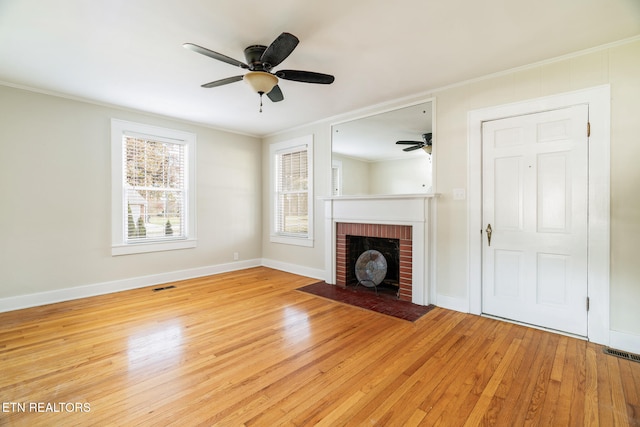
[155,189]
[292,192]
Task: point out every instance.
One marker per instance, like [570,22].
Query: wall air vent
[163,288]
[622,354]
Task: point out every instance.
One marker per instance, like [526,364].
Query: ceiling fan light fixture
[260,81]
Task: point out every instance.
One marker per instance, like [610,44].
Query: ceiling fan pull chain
[261,102]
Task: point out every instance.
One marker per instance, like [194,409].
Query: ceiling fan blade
[222,82]
[276,94]
[417,147]
[215,55]
[409,142]
[279,50]
[305,76]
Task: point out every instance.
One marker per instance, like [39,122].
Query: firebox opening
[389,248]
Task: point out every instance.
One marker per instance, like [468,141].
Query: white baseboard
[624,341]
[452,303]
[314,273]
[32,300]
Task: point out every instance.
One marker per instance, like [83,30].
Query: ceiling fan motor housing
[253,54]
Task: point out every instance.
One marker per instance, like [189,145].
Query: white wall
[355,175]
[401,176]
[617,65]
[55,196]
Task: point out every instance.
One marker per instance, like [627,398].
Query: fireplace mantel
[414,210]
[382,196]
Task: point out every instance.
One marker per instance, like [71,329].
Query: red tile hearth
[381,302]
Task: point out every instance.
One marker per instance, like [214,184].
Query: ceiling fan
[426,143]
[260,62]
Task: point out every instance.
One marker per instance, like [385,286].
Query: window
[153,199]
[292,191]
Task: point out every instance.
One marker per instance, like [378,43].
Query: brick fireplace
[403,217]
[403,233]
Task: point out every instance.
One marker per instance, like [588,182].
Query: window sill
[140,248]
[296,241]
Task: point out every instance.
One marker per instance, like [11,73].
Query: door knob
[488,230]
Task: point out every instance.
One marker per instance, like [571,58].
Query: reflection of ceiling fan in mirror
[426,143]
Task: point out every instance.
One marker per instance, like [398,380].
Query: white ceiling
[129,52]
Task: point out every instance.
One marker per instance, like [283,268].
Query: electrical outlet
[236,256]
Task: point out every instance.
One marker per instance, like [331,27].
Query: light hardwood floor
[246,348]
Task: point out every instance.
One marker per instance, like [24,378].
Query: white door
[535,176]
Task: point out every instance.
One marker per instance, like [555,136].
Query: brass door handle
[488,230]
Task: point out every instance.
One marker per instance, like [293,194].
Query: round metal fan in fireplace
[371,268]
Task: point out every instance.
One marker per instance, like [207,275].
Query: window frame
[119,243]
[280,148]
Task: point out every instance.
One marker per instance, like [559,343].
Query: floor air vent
[164,288]
[622,354]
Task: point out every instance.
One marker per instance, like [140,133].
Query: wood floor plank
[460,409]
[444,350]
[482,406]
[631,392]
[542,383]
[562,412]
[246,348]
[372,373]
[605,401]
[617,393]
[369,374]
[591,402]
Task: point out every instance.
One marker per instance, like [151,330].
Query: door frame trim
[599,101]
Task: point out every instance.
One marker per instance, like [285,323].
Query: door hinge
[588,129]
[587,303]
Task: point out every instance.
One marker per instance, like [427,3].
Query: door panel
[508,274]
[554,193]
[535,171]
[552,279]
[509,180]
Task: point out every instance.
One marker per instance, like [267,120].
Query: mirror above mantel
[366,160]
